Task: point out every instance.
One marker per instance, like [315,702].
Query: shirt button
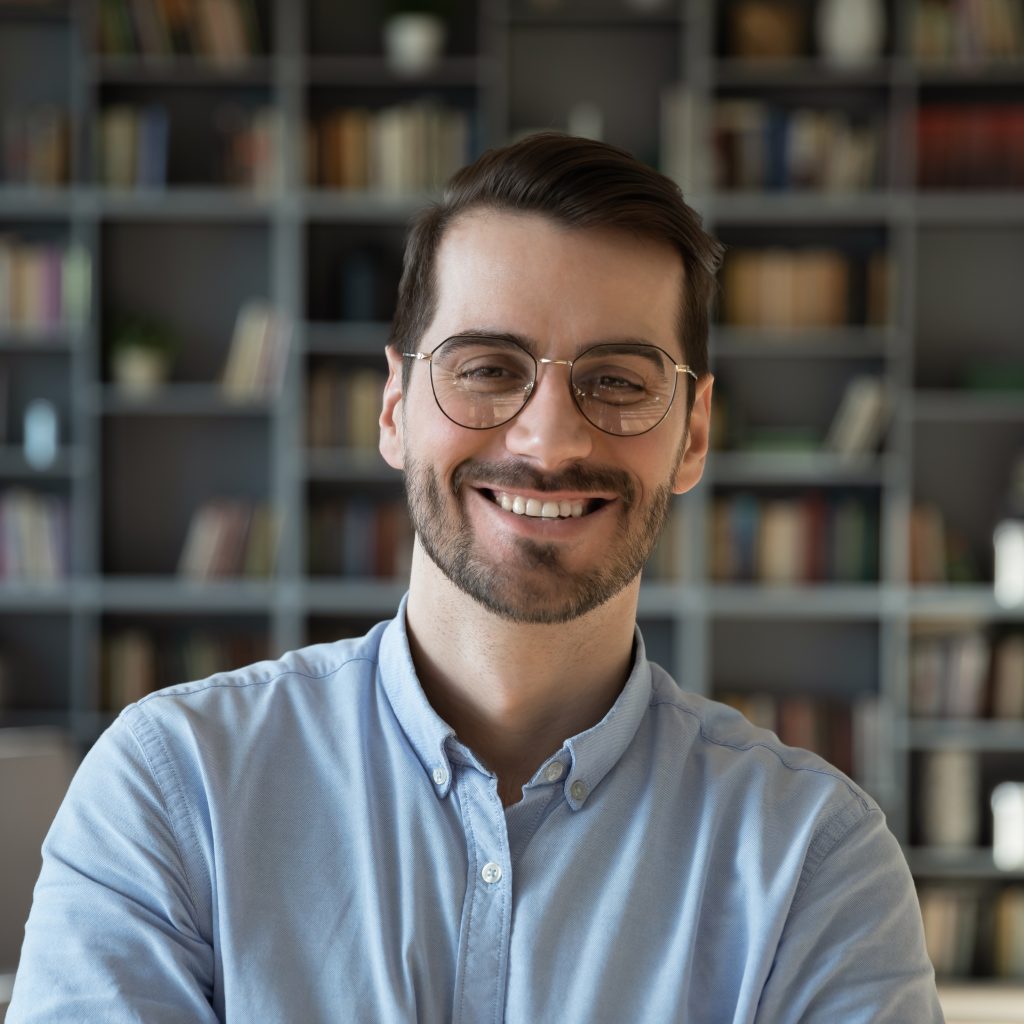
[578,790]
[491,873]
[554,771]
[440,775]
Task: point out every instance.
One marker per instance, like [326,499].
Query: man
[492,807]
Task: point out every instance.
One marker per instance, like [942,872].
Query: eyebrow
[533,347]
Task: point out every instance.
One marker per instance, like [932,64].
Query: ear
[391,445]
[691,466]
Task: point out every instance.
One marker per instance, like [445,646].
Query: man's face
[559,291]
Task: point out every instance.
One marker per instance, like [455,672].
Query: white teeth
[539,509]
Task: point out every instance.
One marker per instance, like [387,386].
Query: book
[778,288]
[258,353]
[860,421]
[119,145]
[759,146]
[398,149]
[781,543]
[804,539]
[1008,678]
[229,538]
[927,544]
[34,536]
[949,798]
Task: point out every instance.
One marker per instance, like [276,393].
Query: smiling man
[493,807]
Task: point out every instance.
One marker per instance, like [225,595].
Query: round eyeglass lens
[624,389]
[481,382]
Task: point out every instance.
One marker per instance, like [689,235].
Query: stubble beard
[533,586]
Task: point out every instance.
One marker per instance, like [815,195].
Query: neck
[514,692]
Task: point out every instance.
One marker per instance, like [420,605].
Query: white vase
[413,42]
[139,372]
[850,32]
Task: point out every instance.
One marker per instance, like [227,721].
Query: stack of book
[944,30]
[43,286]
[965,673]
[805,539]
[950,915]
[34,536]
[785,288]
[34,146]
[970,145]
[939,554]
[222,30]
[792,288]
[134,145]
[230,538]
[410,147]
[343,406]
[764,146]
[258,357]
[967,932]
[360,536]
[134,661]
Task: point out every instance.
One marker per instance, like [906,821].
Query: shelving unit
[133,471]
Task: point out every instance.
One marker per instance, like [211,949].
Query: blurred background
[202,210]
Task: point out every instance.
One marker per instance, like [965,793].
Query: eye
[489,372]
[613,385]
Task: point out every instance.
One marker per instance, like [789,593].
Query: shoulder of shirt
[315,662]
[724,728]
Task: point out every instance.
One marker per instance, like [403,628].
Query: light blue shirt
[306,841]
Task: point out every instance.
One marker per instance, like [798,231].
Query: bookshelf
[180,186]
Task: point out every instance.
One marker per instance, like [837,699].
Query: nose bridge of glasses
[544,361]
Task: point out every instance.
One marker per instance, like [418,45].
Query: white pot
[139,372]
[413,42]
[850,31]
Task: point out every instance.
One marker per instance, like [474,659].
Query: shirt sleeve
[119,929]
[853,949]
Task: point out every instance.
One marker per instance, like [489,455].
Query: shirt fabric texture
[305,840]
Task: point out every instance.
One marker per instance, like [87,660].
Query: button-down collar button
[578,790]
[491,873]
[440,775]
[554,771]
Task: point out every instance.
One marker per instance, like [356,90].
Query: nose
[550,430]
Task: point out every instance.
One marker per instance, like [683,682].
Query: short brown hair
[579,183]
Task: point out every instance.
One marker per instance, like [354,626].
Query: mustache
[512,473]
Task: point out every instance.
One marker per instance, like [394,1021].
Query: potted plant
[142,351]
[415,33]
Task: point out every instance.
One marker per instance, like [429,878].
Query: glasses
[620,388]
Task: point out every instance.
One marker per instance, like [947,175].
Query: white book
[860,420]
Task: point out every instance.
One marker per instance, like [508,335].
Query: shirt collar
[588,756]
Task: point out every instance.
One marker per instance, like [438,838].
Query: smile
[535,508]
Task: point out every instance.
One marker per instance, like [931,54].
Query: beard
[533,585]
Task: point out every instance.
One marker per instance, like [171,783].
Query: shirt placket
[487,912]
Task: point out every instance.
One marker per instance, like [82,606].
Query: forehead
[562,287]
